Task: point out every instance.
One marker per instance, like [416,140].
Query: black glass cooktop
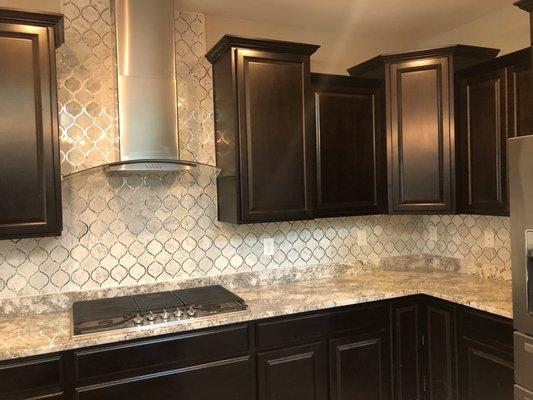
[102,315]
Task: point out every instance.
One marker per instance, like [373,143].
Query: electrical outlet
[433,235]
[268,247]
[361,237]
[489,238]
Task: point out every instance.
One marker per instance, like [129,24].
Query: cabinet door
[486,366]
[482,140]
[420,136]
[225,380]
[486,373]
[276,132]
[351,151]
[407,352]
[359,367]
[440,346]
[520,99]
[294,373]
[29,151]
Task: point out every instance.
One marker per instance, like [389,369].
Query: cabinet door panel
[441,350]
[294,373]
[483,151]
[406,350]
[359,367]
[276,158]
[29,152]
[420,136]
[225,380]
[520,99]
[350,150]
[487,373]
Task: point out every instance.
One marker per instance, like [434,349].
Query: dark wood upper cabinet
[420,117]
[351,146]
[481,144]
[264,129]
[29,141]
[494,102]
[520,93]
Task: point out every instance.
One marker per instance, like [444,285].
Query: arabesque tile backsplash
[122,230]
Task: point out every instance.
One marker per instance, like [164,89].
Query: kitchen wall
[506,29]
[337,53]
[33,5]
[137,229]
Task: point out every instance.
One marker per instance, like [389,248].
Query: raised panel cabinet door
[520,99]
[29,152]
[486,373]
[359,367]
[222,380]
[482,141]
[294,373]
[276,125]
[407,352]
[440,344]
[351,153]
[420,136]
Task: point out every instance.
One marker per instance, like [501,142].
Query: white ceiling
[401,19]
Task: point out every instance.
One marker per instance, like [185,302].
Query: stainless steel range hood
[147,98]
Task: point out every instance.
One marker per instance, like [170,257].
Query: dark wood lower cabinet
[359,367]
[486,373]
[225,380]
[486,365]
[442,351]
[294,373]
[414,348]
[440,348]
[407,351]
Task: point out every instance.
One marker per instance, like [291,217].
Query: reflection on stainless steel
[521,203]
[146,79]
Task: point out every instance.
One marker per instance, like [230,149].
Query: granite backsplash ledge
[410,263]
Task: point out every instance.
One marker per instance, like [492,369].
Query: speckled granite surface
[47,303]
[50,332]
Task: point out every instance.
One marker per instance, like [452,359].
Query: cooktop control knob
[150,317]
[178,313]
[138,320]
[165,315]
[191,312]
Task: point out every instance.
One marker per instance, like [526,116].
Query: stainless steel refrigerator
[521,201]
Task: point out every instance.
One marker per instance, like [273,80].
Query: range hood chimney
[147,98]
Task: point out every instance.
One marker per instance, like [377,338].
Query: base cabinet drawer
[295,373]
[34,378]
[222,380]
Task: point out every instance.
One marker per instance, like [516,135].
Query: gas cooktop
[103,315]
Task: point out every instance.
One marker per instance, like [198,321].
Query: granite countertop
[29,335]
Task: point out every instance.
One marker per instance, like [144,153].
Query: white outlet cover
[361,237]
[268,247]
[488,236]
